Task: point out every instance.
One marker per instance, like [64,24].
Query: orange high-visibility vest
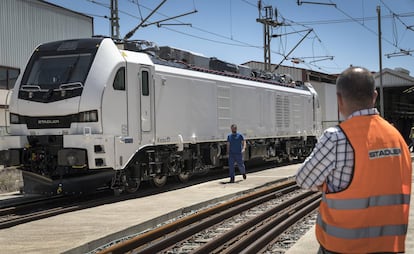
[371,215]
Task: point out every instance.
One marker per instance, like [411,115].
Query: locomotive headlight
[14,118]
[72,157]
[71,160]
[88,116]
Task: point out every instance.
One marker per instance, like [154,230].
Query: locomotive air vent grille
[279,111]
[223,107]
[286,111]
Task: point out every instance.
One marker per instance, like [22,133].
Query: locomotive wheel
[133,185]
[183,177]
[159,181]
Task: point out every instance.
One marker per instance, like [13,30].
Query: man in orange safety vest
[363,167]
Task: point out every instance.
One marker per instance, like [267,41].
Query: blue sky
[227,29]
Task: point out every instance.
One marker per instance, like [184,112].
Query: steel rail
[260,238]
[252,223]
[44,208]
[193,224]
[270,236]
[208,222]
[17,206]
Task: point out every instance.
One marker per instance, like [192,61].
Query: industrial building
[398,89]
[24,24]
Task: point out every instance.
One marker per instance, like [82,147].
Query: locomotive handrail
[70,86]
[30,88]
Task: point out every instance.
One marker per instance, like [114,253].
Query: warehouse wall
[24,24]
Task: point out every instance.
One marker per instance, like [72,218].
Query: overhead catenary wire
[130,33]
[328,55]
[231,41]
[349,20]
[402,52]
[394,15]
[366,27]
[234,42]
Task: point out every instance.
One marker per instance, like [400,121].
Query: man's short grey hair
[357,85]
[233,126]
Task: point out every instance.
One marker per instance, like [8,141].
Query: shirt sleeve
[320,163]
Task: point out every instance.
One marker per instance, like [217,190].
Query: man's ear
[340,100]
[375,97]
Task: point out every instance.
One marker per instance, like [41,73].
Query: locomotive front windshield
[51,72]
[50,78]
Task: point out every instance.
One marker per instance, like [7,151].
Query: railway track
[248,224]
[30,210]
[13,213]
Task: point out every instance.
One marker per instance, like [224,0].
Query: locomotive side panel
[246,110]
[201,109]
[301,122]
[184,109]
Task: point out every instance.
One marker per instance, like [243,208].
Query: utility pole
[114,19]
[268,21]
[380,61]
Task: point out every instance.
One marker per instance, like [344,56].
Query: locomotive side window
[144,83]
[119,81]
[8,77]
[3,78]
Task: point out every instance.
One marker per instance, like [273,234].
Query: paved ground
[82,231]
[95,226]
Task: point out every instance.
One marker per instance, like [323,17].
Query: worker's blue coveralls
[235,154]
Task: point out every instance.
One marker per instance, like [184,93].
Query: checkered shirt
[331,161]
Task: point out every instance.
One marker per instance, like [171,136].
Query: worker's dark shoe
[244,176]
[231,181]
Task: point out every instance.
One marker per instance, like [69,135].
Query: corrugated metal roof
[394,78]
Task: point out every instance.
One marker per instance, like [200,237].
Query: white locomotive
[89,112]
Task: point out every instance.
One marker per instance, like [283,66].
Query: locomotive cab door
[146,98]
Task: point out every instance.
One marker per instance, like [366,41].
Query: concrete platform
[309,244]
[82,231]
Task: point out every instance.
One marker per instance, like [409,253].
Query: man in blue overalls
[235,149]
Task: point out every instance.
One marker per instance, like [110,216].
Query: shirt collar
[364,112]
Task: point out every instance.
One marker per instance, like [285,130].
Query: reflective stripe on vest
[358,233]
[361,203]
